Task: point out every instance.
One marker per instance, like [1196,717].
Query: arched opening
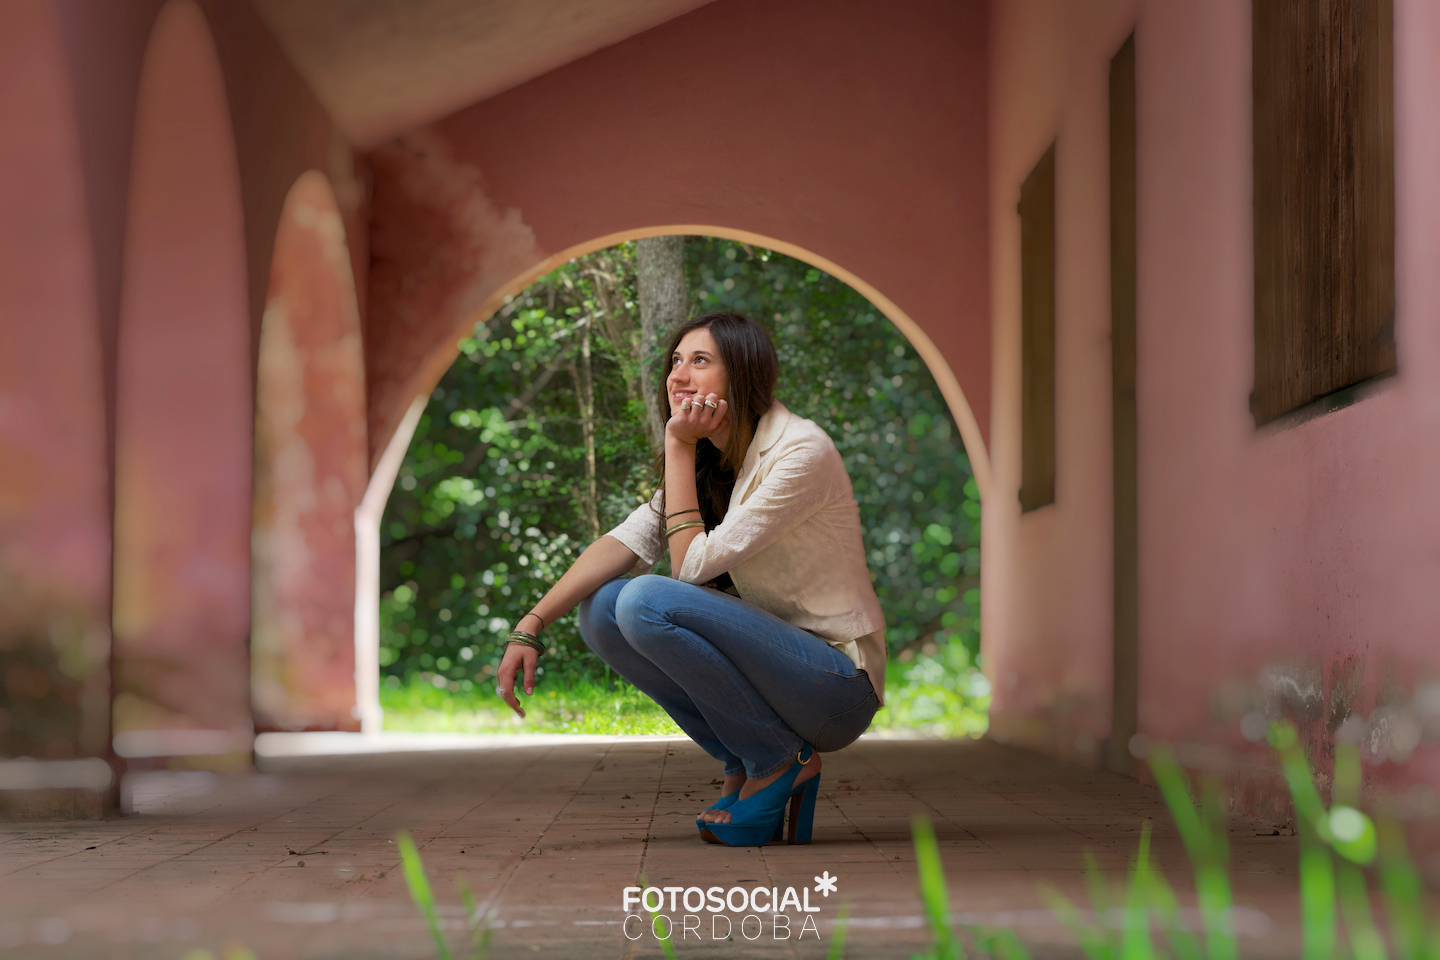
[183,416]
[310,472]
[458,614]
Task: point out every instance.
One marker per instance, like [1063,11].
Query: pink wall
[784,120]
[183,458]
[1313,546]
[1046,578]
[310,472]
[54,484]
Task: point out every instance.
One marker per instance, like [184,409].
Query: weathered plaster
[442,254]
[310,472]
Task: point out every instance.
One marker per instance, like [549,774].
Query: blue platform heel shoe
[760,818]
[728,801]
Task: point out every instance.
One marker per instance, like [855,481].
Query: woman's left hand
[704,418]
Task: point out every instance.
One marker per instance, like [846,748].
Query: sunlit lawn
[941,695]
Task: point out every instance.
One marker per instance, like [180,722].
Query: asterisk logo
[826,884]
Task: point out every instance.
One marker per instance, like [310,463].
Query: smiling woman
[763,645]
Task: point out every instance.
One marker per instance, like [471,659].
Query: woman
[768,646]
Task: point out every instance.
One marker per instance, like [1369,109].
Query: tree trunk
[664,303]
[585,399]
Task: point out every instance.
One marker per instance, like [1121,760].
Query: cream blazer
[790,540]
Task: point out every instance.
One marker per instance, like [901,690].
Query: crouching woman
[767,647]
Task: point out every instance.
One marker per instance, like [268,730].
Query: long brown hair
[752,368]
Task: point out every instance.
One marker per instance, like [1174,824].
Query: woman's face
[695,370]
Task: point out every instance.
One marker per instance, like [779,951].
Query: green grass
[940,695]
[579,707]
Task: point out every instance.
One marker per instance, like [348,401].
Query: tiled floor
[300,860]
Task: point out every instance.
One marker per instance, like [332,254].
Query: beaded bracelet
[526,639]
[683,526]
[681,512]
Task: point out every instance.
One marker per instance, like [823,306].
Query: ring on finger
[685,405]
[712,404]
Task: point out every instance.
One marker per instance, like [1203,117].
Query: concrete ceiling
[382,67]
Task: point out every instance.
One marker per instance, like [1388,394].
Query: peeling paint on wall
[441,254]
[310,472]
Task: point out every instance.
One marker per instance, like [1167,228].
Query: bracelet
[680,512]
[525,639]
[683,526]
[537,616]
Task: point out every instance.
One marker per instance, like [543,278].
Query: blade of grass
[420,892]
[1317,867]
[1166,906]
[932,889]
[1001,944]
[1365,940]
[1136,943]
[665,944]
[1203,833]
[1094,943]
[837,935]
[1100,904]
[479,924]
[1404,893]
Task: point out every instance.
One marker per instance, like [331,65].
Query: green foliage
[493,499]
[942,694]
[492,502]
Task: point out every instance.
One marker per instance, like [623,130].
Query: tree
[664,300]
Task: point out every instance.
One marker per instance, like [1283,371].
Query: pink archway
[465,284]
[183,415]
[310,472]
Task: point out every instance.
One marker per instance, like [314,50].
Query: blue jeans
[746,686]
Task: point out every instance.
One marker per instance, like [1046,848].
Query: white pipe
[367,571]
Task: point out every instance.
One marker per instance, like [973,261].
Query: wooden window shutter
[1324,199]
[1037,326]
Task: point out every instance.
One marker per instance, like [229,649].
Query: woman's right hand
[518,659]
